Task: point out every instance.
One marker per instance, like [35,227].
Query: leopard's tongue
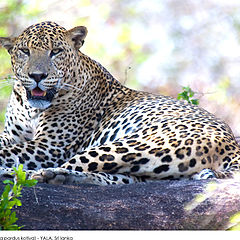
[37,92]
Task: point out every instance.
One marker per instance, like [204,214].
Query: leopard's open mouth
[37,92]
[40,99]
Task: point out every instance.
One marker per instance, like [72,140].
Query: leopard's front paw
[58,176]
[51,175]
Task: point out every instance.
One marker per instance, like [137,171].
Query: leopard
[69,121]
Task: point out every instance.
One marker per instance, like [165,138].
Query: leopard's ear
[77,36]
[7,42]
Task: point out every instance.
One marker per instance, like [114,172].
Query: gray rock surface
[162,205]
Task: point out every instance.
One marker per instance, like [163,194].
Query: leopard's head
[42,57]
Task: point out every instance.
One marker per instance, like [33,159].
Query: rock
[160,205]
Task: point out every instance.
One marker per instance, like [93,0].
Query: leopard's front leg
[65,176]
[100,165]
[33,155]
[5,140]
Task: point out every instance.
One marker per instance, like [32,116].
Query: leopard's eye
[55,51]
[25,51]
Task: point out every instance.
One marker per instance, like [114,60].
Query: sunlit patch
[236,176]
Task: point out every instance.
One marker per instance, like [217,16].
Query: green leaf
[6,191]
[191,93]
[11,204]
[183,96]
[12,218]
[18,202]
[4,204]
[8,212]
[187,94]
[14,202]
[14,189]
[195,101]
[30,183]
[8,182]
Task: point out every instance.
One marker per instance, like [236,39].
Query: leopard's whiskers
[66,86]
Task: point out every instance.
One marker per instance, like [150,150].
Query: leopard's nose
[38,76]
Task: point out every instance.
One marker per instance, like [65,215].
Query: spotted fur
[70,121]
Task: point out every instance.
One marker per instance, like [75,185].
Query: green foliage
[10,198]
[6,87]
[187,94]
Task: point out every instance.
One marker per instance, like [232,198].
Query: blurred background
[153,45]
